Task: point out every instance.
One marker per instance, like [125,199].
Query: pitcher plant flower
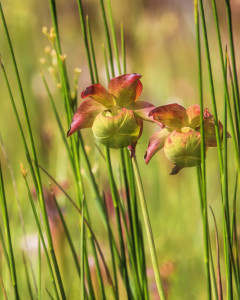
[181,138]
[115,116]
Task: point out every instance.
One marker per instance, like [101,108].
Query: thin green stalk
[115,198]
[84,32]
[8,236]
[205,37]
[116,294]
[107,37]
[234,237]
[82,254]
[233,59]
[113,35]
[235,106]
[124,65]
[148,230]
[225,193]
[89,32]
[73,139]
[27,278]
[4,249]
[224,72]
[203,154]
[67,233]
[87,224]
[41,235]
[39,268]
[106,62]
[38,178]
[19,208]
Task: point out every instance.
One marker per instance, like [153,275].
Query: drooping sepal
[85,115]
[156,143]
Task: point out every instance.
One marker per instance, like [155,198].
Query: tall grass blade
[219,279]
[27,277]
[8,236]
[202,169]
[148,230]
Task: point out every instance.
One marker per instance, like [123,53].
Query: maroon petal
[126,88]
[171,115]
[85,115]
[98,93]
[156,143]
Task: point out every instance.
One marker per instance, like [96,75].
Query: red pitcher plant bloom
[114,115]
[181,138]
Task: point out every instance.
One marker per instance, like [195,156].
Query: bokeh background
[160,45]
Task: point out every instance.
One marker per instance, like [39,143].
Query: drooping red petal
[98,93]
[172,115]
[85,115]
[193,113]
[156,143]
[126,88]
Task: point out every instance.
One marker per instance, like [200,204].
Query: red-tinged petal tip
[156,143]
[172,115]
[98,93]
[85,115]
[126,88]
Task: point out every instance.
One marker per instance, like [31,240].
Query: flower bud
[183,147]
[116,127]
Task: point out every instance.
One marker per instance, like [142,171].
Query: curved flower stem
[115,198]
[148,230]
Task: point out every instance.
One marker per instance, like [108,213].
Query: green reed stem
[68,236]
[106,62]
[224,72]
[41,238]
[205,37]
[203,154]
[115,198]
[84,32]
[233,59]
[107,37]
[89,32]
[8,236]
[4,249]
[19,209]
[37,177]
[123,49]
[27,278]
[148,230]
[82,254]
[116,294]
[113,35]
[39,267]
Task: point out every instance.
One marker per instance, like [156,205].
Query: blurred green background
[160,45]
